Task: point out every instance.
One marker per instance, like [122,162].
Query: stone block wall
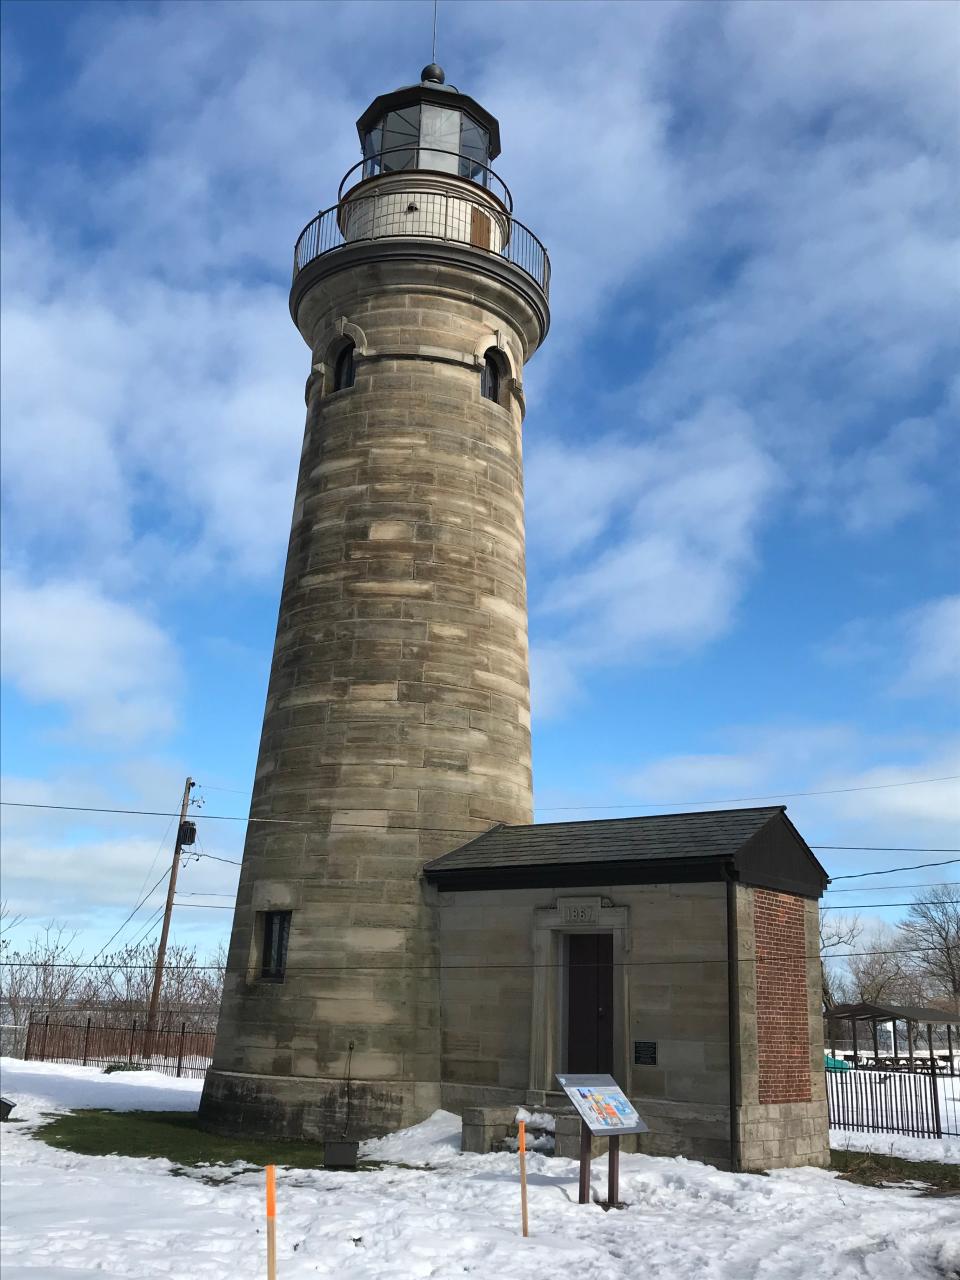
[671,988]
[501,1005]
[397,719]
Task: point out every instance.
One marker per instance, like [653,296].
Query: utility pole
[165,931]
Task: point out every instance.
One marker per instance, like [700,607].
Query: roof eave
[578,874]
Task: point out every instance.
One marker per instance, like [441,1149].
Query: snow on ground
[55,1086]
[946,1150]
[457,1215]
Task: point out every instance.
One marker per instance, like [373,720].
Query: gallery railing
[427,160]
[393,212]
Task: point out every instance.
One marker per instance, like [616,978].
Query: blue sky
[740,440]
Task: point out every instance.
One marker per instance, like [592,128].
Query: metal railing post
[133,1037]
[86,1040]
[935,1101]
[43,1042]
[183,1032]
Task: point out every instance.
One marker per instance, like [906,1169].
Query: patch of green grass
[871,1169]
[172,1135]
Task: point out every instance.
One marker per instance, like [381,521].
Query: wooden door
[590,1003]
[479,228]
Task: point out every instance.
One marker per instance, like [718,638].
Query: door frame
[548,1029]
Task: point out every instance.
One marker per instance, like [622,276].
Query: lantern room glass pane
[372,144]
[439,138]
[474,151]
[401,135]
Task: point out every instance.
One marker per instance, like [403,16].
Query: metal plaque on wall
[644,1053]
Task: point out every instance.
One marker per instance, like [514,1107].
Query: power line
[851,906]
[163,841]
[648,804]
[129,918]
[787,795]
[151,924]
[780,795]
[147,813]
[397,826]
[873,906]
[883,848]
[317,970]
[889,871]
[880,888]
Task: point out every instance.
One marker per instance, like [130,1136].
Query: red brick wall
[783,1028]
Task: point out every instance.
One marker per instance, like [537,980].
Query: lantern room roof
[435,91]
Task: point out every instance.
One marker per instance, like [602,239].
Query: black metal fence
[178,1050]
[917,1105]
[431,215]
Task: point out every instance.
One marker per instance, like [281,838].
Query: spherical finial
[432,73]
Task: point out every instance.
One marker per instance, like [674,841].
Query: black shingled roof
[757,846]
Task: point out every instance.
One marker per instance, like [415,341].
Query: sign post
[603,1109]
[522,1149]
[586,1154]
[271,1222]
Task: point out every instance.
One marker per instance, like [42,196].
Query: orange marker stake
[522,1148]
[271,1222]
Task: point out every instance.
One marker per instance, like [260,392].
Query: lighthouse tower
[397,722]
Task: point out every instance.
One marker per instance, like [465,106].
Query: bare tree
[44,975]
[837,933]
[122,980]
[877,973]
[932,926]
[39,975]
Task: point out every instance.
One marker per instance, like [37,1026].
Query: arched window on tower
[344,372]
[490,378]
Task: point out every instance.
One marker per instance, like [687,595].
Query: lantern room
[430,125]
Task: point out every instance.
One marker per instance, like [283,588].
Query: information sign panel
[601,1104]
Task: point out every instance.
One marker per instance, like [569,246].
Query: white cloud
[678,516]
[163,445]
[914,653]
[931,808]
[933,648]
[865,773]
[111,669]
[754,201]
[92,868]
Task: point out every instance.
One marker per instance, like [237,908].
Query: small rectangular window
[276,935]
